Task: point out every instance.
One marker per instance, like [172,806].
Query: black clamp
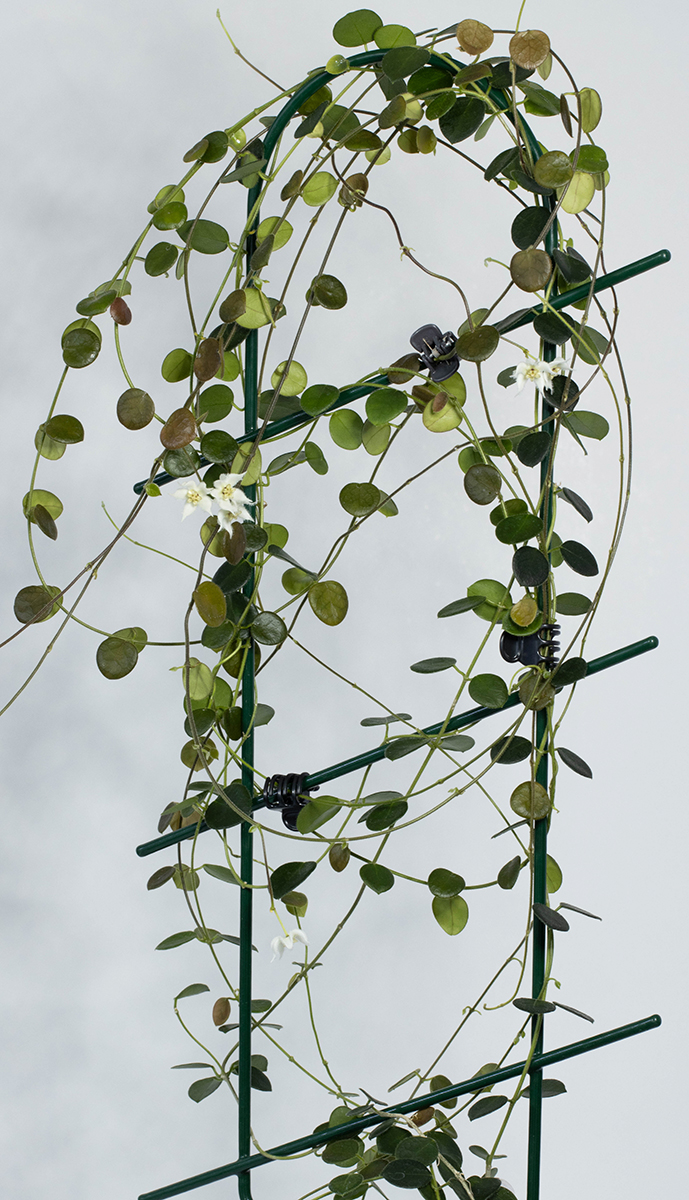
[435,349]
[534,650]
[287,792]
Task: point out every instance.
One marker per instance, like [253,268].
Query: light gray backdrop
[100,102]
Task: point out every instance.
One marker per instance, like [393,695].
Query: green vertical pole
[540,834]
[247,837]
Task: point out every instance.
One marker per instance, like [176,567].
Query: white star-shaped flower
[195,495]
[280,944]
[232,501]
[538,372]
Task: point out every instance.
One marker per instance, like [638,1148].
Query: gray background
[100,102]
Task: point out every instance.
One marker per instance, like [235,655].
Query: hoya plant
[245,247]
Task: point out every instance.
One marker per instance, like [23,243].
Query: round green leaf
[451,913]
[509,874]
[207,237]
[319,189]
[403,61]
[528,225]
[495,600]
[288,877]
[570,671]
[553,169]
[482,483]
[343,1152]
[356,28]
[490,691]
[510,750]
[215,403]
[417,1149]
[201,1088]
[387,37]
[170,216]
[579,193]
[30,600]
[116,658]
[592,159]
[445,883]
[579,558]
[316,458]
[269,629]
[529,799]
[328,292]
[571,604]
[530,567]
[135,409]
[429,79]
[329,602]
[587,424]
[295,581]
[360,499]
[210,603]
[293,378]
[552,328]
[177,366]
[462,120]
[50,502]
[591,109]
[533,448]
[553,875]
[458,742]
[65,429]
[277,228]
[476,345]
[180,463]
[134,634]
[80,347]
[589,344]
[531,269]
[377,877]
[318,398]
[96,303]
[218,446]
[160,259]
[384,405]
[518,528]
[46,447]
[383,816]
[486,1105]
[317,812]
[428,666]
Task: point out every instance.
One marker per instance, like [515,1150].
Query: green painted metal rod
[285,424]
[375,755]
[409,1106]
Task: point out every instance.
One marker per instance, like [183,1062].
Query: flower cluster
[538,372]
[231,500]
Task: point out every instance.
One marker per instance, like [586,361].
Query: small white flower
[538,372]
[232,501]
[280,944]
[195,495]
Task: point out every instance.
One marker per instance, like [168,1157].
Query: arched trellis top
[246,1162]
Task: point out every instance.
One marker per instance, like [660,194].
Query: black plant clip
[436,351]
[288,793]
[534,650]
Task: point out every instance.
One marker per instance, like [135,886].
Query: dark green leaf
[442,882]
[377,877]
[528,225]
[551,918]
[535,1007]
[383,816]
[360,499]
[288,877]
[576,502]
[428,666]
[572,760]
[458,742]
[221,815]
[486,1105]
[501,163]
[530,567]
[510,750]
[80,347]
[343,1152]
[587,424]
[439,105]
[429,79]
[549,1087]
[579,558]
[348,1186]
[552,328]
[509,874]
[205,236]
[201,1088]
[194,989]
[269,628]
[356,28]
[159,877]
[406,1173]
[572,266]
[384,405]
[482,483]
[327,292]
[576,1012]
[462,120]
[29,601]
[490,691]
[224,874]
[231,578]
[404,745]
[569,671]
[461,606]
[318,398]
[170,216]
[160,258]
[115,658]
[476,345]
[571,604]
[260,1081]
[218,446]
[329,601]
[96,303]
[385,720]
[316,813]
[403,61]
[417,1149]
[518,528]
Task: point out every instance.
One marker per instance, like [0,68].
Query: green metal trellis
[539,1059]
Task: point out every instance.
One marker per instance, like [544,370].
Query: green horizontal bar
[478,1083]
[285,424]
[578,293]
[378,753]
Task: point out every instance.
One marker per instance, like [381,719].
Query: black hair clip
[435,350]
[534,650]
[288,793]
